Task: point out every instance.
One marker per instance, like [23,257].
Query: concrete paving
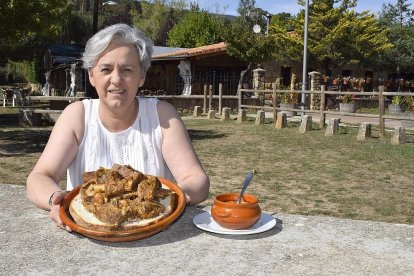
[297,245]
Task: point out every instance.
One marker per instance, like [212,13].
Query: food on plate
[121,198]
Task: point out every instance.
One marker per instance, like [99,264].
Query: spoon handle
[246,183]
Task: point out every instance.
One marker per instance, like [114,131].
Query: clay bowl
[228,214]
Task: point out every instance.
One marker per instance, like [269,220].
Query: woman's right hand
[54,210]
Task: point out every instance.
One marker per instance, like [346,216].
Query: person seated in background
[117,128]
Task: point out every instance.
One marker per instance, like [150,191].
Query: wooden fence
[376,96]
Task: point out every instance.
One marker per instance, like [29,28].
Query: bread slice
[88,220]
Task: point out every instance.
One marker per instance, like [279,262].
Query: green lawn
[296,173]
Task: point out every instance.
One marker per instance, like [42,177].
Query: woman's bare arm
[180,156]
[58,154]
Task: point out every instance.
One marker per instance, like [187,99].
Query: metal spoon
[246,183]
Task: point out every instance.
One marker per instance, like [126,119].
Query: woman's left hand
[54,210]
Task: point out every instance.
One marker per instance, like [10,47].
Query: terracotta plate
[126,235]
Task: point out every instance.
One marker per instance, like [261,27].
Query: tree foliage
[398,18]
[157,18]
[246,45]
[337,35]
[245,8]
[196,28]
[31,21]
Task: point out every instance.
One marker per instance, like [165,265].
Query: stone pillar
[364,131]
[258,79]
[281,121]
[211,114]
[197,111]
[333,127]
[242,117]
[260,117]
[225,114]
[399,136]
[306,124]
[314,86]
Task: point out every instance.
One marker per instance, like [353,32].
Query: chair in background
[8,97]
[18,98]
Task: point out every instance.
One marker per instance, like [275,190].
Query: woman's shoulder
[72,117]
[74,110]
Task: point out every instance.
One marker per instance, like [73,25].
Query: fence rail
[376,96]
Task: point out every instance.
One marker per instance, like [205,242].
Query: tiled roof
[161,50]
[198,51]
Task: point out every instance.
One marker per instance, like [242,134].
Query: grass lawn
[296,173]
[309,173]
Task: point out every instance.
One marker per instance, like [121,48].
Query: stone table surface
[297,245]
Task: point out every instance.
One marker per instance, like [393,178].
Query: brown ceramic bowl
[228,214]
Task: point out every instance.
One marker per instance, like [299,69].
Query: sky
[290,6]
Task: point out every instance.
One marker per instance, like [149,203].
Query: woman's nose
[115,76]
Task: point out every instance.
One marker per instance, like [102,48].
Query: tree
[245,8]
[398,18]
[337,35]
[246,45]
[157,18]
[196,28]
[32,21]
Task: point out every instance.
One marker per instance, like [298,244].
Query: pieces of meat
[147,187]
[122,193]
[144,209]
[110,213]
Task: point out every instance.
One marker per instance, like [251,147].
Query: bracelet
[51,197]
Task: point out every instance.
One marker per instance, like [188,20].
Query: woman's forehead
[121,52]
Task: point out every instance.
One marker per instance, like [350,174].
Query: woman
[116,128]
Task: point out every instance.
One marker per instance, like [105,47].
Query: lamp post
[268,17]
[305,58]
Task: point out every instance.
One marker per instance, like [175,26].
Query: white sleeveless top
[138,146]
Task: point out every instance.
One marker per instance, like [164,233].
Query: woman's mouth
[116,91]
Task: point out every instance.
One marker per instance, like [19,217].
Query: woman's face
[117,75]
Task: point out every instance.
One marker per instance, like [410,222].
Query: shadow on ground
[9,120]
[18,141]
[203,134]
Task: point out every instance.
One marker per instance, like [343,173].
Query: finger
[187,199]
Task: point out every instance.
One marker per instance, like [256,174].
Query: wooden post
[205,99]
[274,102]
[381,110]
[240,94]
[210,97]
[220,96]
[322,117]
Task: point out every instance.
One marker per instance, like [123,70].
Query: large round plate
[126,235]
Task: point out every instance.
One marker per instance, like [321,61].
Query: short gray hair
[123,33]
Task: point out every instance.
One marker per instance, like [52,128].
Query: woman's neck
[116,120]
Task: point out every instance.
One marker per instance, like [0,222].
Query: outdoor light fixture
[256,28]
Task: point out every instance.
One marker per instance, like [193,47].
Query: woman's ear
[141,81]
[91,79]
